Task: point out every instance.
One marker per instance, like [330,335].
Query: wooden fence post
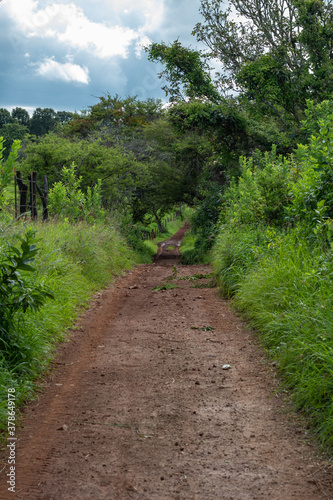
[33,205]
[43,197]
[23,190]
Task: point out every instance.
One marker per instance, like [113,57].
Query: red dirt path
[139,406]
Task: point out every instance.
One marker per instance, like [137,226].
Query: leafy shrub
[312,192]
[203,228]
[18,293]
[7,167]
[261,193]
[66,200]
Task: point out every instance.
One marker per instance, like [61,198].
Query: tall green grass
[236,251]
[74,261]
[284,289]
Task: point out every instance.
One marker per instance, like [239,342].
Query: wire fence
[30,200]
[25,195]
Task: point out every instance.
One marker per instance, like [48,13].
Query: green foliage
[17,292]
[12,132]
[236,252]
[268,81]
[21,115]
[51,153]
[279,190]
[118,119]
[21,298]
[278,52]
[261,194]
[203,227]
[5,117]
[120,172]
[7,168]
[18,123]
[183,68]
[42,121]
[287,297]
[66,199]
[312,185]
[204,116]
[122,113]
[224,125]
[273,255]
[176,165]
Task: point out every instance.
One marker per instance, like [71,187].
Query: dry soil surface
[163,395]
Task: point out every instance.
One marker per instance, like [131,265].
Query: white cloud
[67,23]
[67,72]
[144,41]
[102,40]
[152,10]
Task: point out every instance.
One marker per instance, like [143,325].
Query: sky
[66,54]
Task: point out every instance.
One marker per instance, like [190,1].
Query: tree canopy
[276,55]
[186,71]
[276,52]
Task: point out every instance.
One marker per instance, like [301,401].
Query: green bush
[204,228]
[261,194]
[67,200]
[7,168]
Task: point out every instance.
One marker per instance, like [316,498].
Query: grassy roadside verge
[74,261]
[283,285]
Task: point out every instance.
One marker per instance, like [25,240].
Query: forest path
[163,395]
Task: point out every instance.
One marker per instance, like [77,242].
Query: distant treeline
[18,123]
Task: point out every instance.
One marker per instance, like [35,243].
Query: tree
[276,52]
[21,115]
[5,117]
[42,121]
[64,116]
[12,132]
[185,70]
[118,170]
[178,159]
[124,114]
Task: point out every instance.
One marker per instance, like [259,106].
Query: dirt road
[163,395]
